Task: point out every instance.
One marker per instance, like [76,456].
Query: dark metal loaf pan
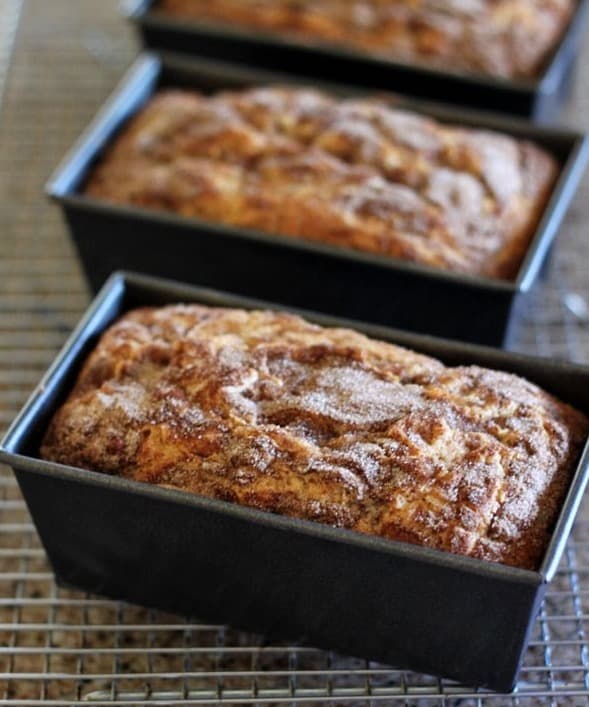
[365,596]
[301,273]
[539,98]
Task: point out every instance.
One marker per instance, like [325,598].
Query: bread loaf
[264,409]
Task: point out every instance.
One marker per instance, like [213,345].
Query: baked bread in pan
[510,39]
[265,409]
[355,173]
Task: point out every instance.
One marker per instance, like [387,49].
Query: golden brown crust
[352,173]
[267,410]
[504,38]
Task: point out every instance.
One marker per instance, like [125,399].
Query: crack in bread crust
[265,409]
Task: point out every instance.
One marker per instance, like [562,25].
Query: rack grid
[60,647]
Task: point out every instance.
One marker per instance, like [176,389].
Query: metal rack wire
[64,648]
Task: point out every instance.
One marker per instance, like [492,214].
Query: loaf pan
[539,98]
[328,278]
[374,598]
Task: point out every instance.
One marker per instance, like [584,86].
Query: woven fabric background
[58,62]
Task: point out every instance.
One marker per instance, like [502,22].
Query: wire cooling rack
[66,648]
